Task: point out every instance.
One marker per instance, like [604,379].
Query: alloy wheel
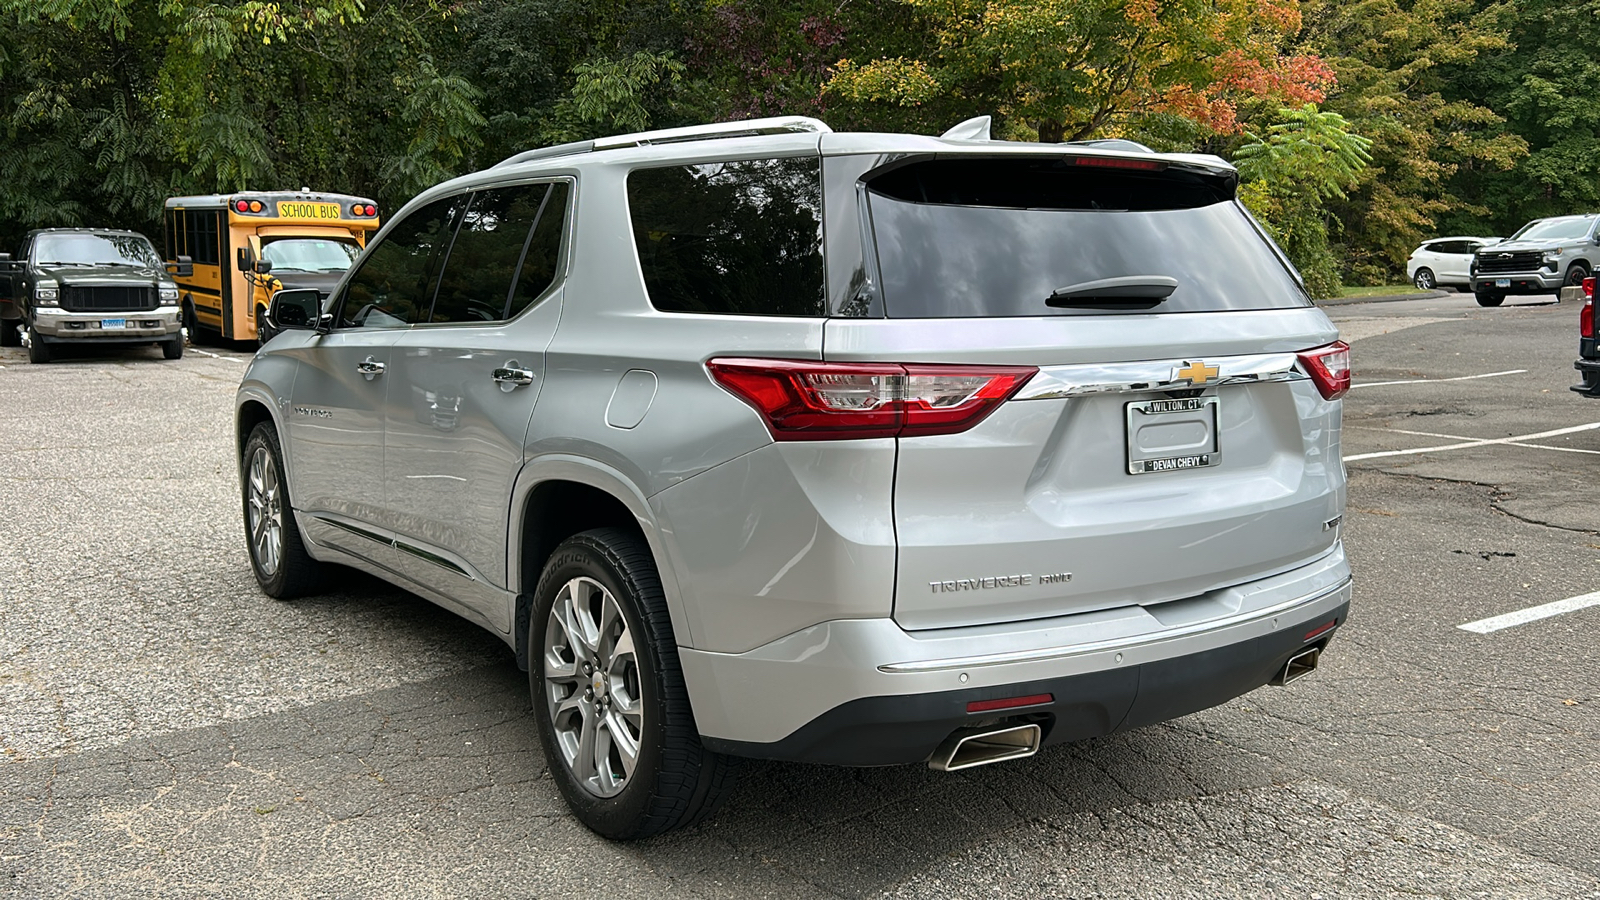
[592,686]
[266,512]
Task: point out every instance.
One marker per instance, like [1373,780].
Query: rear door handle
[511,376]
[370,368]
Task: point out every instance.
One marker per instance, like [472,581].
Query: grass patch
[1382,290]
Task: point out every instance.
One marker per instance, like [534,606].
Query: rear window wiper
[1126,292]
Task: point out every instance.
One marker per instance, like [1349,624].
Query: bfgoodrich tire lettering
[277,555]
[606,684]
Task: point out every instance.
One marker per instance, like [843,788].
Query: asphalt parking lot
[168,731]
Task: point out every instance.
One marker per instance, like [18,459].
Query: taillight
[1586,317]
[1588,287]
[1329,368]
[818,401]
[241,205]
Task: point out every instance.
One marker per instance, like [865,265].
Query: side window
[741,237]
[542,259]
[202,238]
[395,284]
[475,284]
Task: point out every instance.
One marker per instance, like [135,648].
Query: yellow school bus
[244,246]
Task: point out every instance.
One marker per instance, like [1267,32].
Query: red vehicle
[1588,363]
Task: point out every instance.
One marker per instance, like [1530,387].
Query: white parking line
[1514,439]
[1533,613]
[213,355]
[1437,380]
[1457,437]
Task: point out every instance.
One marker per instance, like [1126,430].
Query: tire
[277,554]
[172,348]
[38,350]
[264,332]
[1424,279]
[198,335]
[1487,298]
[1576,273]
[604,583]
[10,335]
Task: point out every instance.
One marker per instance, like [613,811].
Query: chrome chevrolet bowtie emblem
[1195,372]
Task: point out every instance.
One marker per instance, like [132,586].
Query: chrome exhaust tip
[967,748]
[1299,665]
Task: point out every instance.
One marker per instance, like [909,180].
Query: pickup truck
[88,285]
[1541,258]
[1588,364]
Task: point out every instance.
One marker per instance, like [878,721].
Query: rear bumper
[863,692]
[56,325]
[1589,369]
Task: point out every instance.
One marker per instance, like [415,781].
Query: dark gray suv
[760,440]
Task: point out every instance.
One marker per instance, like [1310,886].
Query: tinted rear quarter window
[984,237]
[741,237]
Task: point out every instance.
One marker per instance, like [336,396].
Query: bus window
[309,254]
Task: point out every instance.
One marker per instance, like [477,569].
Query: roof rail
[747,128]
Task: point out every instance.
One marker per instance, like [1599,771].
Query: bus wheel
[197,334]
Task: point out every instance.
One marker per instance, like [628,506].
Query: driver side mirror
[245,259]
[263,266]
[183,268]
[299,308]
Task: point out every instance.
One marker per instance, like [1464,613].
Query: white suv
[1444,262]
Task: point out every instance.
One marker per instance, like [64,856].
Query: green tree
[1545,81]
[1397,66]
[112,105]
[1306,159]
[1072,69]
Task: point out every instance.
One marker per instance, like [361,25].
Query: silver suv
[758,440]
[1542,257]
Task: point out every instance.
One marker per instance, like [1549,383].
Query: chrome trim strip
[358,532]
[1048,654]
[418,552]
[1055,382]
[434,558]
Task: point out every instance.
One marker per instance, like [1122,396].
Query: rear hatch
[1171,441]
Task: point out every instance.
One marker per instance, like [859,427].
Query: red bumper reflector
[1321,630]
[1009,703]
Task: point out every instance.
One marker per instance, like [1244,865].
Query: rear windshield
[997,237]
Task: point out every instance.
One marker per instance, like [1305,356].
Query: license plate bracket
[113,324]
[1502,282]
[1170,435]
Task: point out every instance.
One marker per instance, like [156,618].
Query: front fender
[268,382]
